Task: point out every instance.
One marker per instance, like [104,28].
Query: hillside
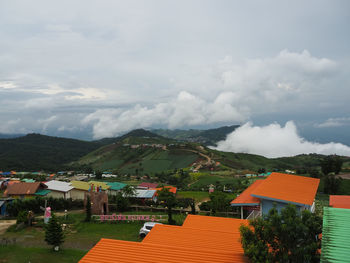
[205,137]
[40,152]
[139,152]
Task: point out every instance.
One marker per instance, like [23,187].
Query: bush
[34,205]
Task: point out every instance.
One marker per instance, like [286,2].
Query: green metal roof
[335,235]
[116,185]
[42,192]
[28,180]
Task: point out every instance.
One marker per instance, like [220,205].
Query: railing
[254,214]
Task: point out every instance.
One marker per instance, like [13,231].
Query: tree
[288,236]
[98,174]
[169,200]
[53,233]
[128,191]
[331,184]
[331,164]
[88,209]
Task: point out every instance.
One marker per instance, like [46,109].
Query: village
[117,205]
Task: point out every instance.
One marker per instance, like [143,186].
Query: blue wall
[268,204]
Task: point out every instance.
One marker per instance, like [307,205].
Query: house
[59,189]
[115,187]
[3,205]
[145,194]
[200,239]
[335,235]
[246,201]
[339,201]
[80,188]
[280,190]
[24,190]
[145,185]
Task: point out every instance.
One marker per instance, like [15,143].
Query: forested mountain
[40,152]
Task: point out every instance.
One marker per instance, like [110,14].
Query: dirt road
[5,224]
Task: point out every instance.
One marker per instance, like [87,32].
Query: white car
[146,228]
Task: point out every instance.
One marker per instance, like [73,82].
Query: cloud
[334,122]
[276,141]
[185,110]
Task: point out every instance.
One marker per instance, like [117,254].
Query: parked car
[146,228]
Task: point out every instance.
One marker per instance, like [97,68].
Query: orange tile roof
[172,189]
[213,223]
[109,250]
[289,188]
[339,201]
[179,236]
[246,198]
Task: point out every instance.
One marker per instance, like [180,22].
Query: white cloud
[185,110]
[276,141]
[334,122]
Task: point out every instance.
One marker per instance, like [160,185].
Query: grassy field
[20,254]
[197,195]
[79,238]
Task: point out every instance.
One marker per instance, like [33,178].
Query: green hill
[40,152]
[139,152]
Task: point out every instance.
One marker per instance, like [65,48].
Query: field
[197,195]
[79,238]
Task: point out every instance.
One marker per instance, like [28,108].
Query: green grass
[197,195]
[16,253]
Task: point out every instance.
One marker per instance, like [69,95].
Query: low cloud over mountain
[276,141]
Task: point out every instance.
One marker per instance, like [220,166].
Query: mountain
[9,136]
[205,137]
[40,152]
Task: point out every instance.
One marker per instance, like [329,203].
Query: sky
[93,69]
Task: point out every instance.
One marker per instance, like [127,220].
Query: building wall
[77,194]
[266,205]
[58,194]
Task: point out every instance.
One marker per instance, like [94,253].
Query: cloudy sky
[94,69]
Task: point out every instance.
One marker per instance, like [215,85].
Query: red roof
[147,185]
[246,198]
[214,223]
[173,244]
[289,188]
[179,236]
[172,189]
[109,250]
[339,201]
[23,188]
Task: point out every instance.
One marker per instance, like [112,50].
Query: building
[145,185]
[335,235]
[339,201]
[59,189]
[200,239]
[279,190]
[115,187]
[25,190]
[3,205]
[80,188]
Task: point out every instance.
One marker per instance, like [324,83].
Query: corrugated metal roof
[246,198]
[147,185]
[59,186]
[339,201]
[116,186]
[109,250]
[141,193]
[80,185]
[288,188]
[213,223]
[42,192]
[335,235]
[23,188]
[179,236]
